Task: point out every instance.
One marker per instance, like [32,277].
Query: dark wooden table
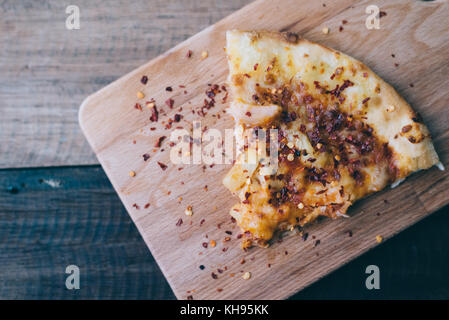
[58,208]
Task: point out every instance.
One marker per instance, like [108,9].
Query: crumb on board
[325,30]
[246,275]
[140,95]
[132,173]
[379,238]
[204,55]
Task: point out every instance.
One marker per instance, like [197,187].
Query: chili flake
[159,141]
[189,211]
[154,114]
[162,165]
[177,117]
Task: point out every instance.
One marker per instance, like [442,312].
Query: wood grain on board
[46,70]
[414,32]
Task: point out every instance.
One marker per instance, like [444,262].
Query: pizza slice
[342,132]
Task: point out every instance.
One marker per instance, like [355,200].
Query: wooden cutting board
[410,51]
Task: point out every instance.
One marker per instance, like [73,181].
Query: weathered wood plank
[50,218]
[46,70]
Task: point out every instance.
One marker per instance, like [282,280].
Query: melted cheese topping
[339,137]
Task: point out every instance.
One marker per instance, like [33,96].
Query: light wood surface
[46,71]
[415,32]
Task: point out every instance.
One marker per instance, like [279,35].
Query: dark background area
[54,217]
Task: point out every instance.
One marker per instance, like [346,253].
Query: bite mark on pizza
[343,132]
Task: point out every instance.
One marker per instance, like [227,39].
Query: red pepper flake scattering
[138,106]
[255,66]
[135,205]
[411,85]
[159,141]
[214,276]
[305,236]
[169,89]
[147,206]
[170,102]
[340,28]
[163,166]
[144,80]
[178,224]
[317,242]
[382,14]
[154,114]
[189,53]
[344,21]
[396,65]
[202,221]
[205,244]
[146,156]
[189,297]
